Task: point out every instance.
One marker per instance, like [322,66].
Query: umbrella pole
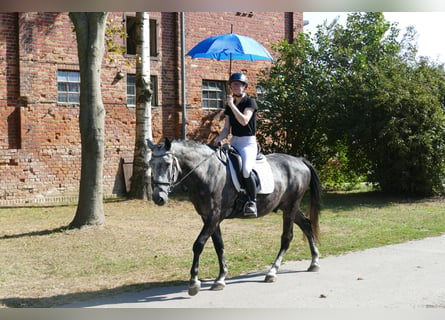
[230,65]
[230,62]
[230,70]
[230,73]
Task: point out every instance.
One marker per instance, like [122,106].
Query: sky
[427,24]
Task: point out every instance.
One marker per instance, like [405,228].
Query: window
[131,90]
[131,36]
[213,94]
[68,87]
[154,88]
[260,93]
[130,23]
[153,38]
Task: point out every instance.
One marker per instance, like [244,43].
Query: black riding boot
[250,206]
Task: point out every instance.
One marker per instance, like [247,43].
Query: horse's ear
[150,144]
[168,144]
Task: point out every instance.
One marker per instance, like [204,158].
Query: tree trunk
[90,33]
[140,180]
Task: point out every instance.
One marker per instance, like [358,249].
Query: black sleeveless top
[238,129]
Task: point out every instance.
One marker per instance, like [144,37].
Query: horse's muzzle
[159,197]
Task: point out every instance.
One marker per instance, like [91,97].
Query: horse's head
[165,170]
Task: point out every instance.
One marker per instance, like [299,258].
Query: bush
[358,104]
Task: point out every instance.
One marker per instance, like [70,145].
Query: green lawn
[141,245]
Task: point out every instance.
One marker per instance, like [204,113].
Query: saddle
[261,171]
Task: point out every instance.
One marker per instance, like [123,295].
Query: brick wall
[40,139]
[265,27]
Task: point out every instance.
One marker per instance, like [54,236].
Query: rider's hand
[229,99]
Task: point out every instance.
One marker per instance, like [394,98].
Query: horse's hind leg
[286,238]
[305,225]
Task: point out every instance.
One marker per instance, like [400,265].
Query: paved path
[408,275]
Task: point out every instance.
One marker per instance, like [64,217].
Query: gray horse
[203,171]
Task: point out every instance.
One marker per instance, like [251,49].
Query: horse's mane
[200,147]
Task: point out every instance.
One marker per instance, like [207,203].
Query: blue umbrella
[230,46]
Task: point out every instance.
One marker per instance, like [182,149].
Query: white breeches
[247,148]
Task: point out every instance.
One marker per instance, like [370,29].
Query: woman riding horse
[240,120]
[213,195]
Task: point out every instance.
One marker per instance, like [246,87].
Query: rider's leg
[249,158]
[247,148]
[250,206]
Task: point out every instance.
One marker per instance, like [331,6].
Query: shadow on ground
[54,301]
[152,292]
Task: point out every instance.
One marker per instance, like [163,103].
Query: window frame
[260,94]
[70,83]
[130,41]
[131,86]
[213,93]
[154,87]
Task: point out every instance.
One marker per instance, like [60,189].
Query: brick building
[39,81]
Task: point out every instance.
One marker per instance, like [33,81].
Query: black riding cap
[239,77]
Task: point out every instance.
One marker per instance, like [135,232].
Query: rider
[240,120]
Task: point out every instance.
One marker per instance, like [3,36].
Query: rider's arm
[242,118]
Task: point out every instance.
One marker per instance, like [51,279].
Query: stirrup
[249,209]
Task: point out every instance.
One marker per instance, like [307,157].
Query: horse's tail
[315,201]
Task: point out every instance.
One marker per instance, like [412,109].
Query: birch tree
[140,180]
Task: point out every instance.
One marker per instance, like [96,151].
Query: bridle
[174,166]
[172,172]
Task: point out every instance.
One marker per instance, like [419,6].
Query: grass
[141,245]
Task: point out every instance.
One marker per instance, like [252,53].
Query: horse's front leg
[198,247]
[218,244]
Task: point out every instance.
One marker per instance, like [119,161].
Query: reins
[173,185]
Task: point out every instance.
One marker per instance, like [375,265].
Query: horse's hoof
[314,268]
[270,278]
[194,288]
[218,286]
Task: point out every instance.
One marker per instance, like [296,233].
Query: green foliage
[409,150]
[356,102]
[290,109]
[336,172]
[114,33]
[110,33]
